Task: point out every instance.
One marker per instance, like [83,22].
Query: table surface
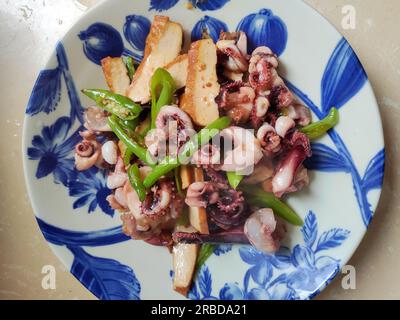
[38,24]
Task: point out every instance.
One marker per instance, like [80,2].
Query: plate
[346,169]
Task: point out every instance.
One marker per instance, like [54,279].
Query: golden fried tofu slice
[187,178]
[197,215]
[184,265]
[163,45]
[202,84]
[179,70]
[116,74]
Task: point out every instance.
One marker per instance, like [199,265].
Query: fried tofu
[179,70]
[197,216]
[186,173]
[163,45]
[116,74]
[198,219]
[202,85]
[184,265]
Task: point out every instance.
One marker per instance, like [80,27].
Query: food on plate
[178,69]
[201,148]
[197,214]
[163,45]
[184,264]
[116,74]
[202,85]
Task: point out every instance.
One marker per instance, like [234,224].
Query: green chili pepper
[257,197]
[234,179]
[130,125]
[318,129]
[131,145]
[206,251]
[178,182]
[127,157]
[123,107]
[162,88]
[188,149]
[136,181]
[130,66]
[203,137]
[166,166]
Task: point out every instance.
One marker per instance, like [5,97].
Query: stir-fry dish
[200,148]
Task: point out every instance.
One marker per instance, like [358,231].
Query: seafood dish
[200,148]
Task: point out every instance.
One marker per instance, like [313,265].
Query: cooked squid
[214,155]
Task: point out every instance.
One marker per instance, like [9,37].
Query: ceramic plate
[346,168]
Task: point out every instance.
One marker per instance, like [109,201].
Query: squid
[232,52]
[173,128]
[87,152]
[245,153]
[207,155]
[259,111]
[300,113]
[237,100]
[96,120]
[229,210]
[264,231]
[283,124]
[158,200]
[269,139]
[264,78]
[117,178]
[158,212]
[202,194]
[109,152]
[290,163]
[117,200]
[225,206]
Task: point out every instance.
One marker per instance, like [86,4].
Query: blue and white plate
[347,165]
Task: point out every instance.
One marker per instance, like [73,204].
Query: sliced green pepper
[234,179]
[136,181]
[123,107]
[318,129]
[131,145]
[127,157]
[166,166]
[130,125]
[178,181]
[206,251]
[130,66]
[188,149]
[202,137]
[162,89]
[257,197]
